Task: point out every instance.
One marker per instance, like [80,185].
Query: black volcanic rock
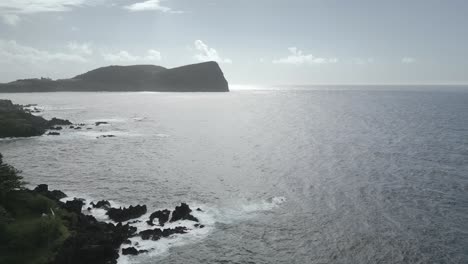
[55,195]
[74,205]
[92,242]
[156,234]
[124,214]
[182,212]
[201,77]
[104,204]
[161,215]
[58,122]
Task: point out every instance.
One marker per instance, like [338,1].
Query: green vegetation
[15,122]
[31,225]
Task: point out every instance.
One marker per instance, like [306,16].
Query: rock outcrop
[125,214]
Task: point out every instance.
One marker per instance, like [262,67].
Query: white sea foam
[208,217]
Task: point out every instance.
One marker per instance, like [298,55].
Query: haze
[255,42]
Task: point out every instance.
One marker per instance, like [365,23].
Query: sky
[259,42]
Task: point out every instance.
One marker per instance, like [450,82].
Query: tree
[9,178]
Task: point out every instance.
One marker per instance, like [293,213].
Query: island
[200,77]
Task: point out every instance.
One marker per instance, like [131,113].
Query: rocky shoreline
[19,121]
[94,242]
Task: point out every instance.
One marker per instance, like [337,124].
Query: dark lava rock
[199,226]
[71,127]
[182,212]
[42,188]
[127,242]
[74,205]
[92,242]
[53,134]
[76,128]
[132,251]
[101,123]
[54,195]
[57,121]
[199,210]
[89,128]
[101,204]
[56,128]
[161,215]
[106,136]
[124,214]
[156,234]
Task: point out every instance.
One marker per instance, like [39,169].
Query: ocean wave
[208,217]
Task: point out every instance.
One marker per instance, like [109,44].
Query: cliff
[201,77]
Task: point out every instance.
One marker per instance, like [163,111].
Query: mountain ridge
[200,77]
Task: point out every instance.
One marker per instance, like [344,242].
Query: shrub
[9,178]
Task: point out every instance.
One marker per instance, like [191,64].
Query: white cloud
[11,19]
[125,56]
[10,10]
[151,5]
[408,60]
[84,48]
[297,57]
[208,54]
[36,6]
[11,51]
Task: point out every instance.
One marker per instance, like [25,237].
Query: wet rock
[42,188]
[54,195]
[106,136]
[74,205]
[199,226]
[58,122]
[53,134]
[124,214]
[182,212]
[101,204]
[156,234]
[132,251]
[92,242]
[101,123]
[199,210]
[77,128]
[161,215]
[71,127]
[127,242]
[56,128]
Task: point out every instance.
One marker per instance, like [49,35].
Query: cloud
[37,6]
[151,5]
[11,19]
[208,54]
[11,51]
[84,48]
[408,60]
[125,56]
[10,10]
[297,58]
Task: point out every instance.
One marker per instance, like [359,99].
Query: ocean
[299,174]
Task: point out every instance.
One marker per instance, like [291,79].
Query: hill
[201,77]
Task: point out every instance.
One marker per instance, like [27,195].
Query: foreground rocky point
[87,240]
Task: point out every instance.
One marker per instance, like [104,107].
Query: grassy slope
[26,236]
